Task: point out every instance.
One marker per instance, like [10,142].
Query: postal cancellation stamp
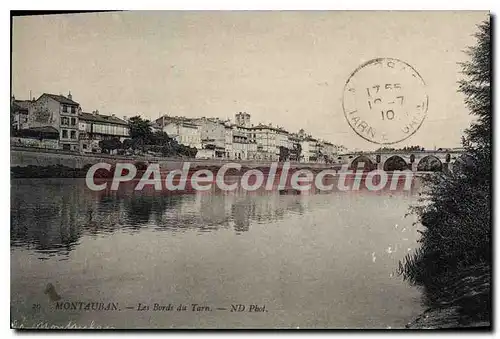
[385,101]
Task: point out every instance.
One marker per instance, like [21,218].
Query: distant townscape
[58,122]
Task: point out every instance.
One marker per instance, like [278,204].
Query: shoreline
[444,318]
[61,171]
[40,163]
[462,300]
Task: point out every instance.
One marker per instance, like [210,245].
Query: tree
[284,154]
[140,129]
[109,145]
[187,151]
[327,159]
[143,138]
[295,152]
[160,138]
[128,143]
[477,91]
[456,213]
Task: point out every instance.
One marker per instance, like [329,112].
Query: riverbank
[60,161]
[446,318]
[462,301]
[60,171]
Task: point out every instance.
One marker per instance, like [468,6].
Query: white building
[252,150]
[283,140]
[213,135]
[241,142]
[309,150]
[185,133]
[59,112]
[267,142]
[228,145]
[94,127]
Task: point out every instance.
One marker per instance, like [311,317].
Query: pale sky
[285,68]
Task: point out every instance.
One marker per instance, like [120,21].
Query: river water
[310,260]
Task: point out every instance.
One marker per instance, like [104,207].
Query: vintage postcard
[251,170]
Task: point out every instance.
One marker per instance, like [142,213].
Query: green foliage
[284,154]
[110,144]
[140,129]
[477,91]
[456,207]
[143,138]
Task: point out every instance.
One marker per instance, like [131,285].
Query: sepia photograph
[292,169]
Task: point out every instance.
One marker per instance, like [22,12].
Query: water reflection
[316,259]
[52,215]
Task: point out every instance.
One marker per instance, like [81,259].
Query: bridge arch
[430,163]
[368,163]
[395,163]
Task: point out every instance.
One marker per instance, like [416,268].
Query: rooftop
[21,104]
[60,98]
[277,129]
[102,118]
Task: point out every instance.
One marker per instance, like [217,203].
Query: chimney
[113,115]
[70,97]
[125,117]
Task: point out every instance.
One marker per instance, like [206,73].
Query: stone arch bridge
[421,161]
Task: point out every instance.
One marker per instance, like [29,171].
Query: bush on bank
[456,210]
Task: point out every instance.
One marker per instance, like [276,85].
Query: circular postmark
[385,101]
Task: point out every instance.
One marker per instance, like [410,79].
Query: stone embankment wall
[24,156]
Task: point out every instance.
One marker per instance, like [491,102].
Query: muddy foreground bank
[463,301]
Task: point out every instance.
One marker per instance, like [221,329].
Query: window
[64,121]
[73,121]
[73,134]
[84,146]
[73,109]
[65,108]
[64,134]
[66,147]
